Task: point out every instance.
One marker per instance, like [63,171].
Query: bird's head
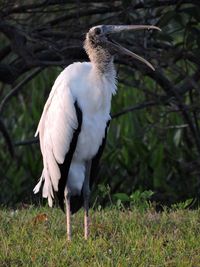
[98,38]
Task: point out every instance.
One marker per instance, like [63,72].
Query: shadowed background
[154,137]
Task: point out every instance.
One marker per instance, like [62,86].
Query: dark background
[154,137]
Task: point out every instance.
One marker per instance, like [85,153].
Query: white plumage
[73,125]
[79,82]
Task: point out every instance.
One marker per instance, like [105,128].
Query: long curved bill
[109,29]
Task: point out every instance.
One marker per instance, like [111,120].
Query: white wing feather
[55,130]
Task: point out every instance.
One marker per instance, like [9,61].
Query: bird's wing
[64,167]
[56,129]
[96,159]
[77,201]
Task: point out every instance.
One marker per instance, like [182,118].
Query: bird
[74,123]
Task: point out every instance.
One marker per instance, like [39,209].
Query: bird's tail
[36,189]
[47,189]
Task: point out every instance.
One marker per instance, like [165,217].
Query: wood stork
[74,122]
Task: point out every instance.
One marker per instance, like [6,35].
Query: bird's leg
[86,196]
[68,214]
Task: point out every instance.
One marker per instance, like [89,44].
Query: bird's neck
[101,60]
[104,66]
[105,73]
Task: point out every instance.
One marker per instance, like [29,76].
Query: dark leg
[68,214]
[86,196]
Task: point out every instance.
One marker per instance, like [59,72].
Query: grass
[37,237]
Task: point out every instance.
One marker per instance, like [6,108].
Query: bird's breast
[93,94]
[91,136]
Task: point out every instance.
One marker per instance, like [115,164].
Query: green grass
[37,237]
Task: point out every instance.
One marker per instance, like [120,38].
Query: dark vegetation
[154,137]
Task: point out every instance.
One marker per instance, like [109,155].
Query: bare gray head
[101,49]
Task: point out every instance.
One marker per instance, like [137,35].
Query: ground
[37,237]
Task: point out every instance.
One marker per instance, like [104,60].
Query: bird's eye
[97,31]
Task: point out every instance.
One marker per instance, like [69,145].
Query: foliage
[136,199]
[37,237]
[154,137]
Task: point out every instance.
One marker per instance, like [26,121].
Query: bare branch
[136,107]
[27,142]
[7,137]
[17,88]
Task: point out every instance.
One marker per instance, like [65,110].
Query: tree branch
[17,88]
[27,142]
[7,137]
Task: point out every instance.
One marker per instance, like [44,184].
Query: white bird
[73,126]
